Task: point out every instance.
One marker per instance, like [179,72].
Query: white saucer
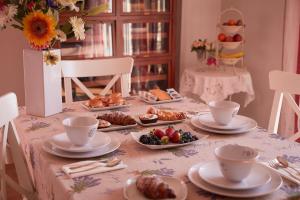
[212,174]
[131,193]
[62,142]
[112,146]
[268,188]
[237,122]
[249,127]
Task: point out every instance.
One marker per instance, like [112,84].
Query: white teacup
[80,130]
[223,111]
[236,161]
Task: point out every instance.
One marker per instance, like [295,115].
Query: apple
[237,38]
[221,37]
[158,133]
[169,131]
[229,39]
[239,22]
[175,138]
[231,22]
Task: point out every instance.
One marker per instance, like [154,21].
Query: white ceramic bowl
[231,45]
[223,111]
[231,29]
[80,130]
[236,161]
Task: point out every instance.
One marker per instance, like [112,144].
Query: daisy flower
[7,12]
[78,27]
[71,4]
[61,36]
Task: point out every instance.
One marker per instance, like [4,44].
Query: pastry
[117,118]
[148,118]
[103,124]
[114,99]
[160,94]
[165,115]
[95,103]
[153,187]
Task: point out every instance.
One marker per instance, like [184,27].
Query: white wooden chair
[121,68]
[9,111]
[285,85]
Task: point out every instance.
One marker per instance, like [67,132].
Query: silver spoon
[285,164]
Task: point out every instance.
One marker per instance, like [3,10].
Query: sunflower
[39,29]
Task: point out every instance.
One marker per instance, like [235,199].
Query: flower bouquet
[205,51]
[39,22]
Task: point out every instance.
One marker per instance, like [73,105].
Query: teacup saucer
[211,173]
[62,142]
[237,122]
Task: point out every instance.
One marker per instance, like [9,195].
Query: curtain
[290,58]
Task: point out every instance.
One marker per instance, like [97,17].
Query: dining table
[51,182]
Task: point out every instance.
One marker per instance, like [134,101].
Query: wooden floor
[11,194]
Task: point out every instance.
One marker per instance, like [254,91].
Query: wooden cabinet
[143,29]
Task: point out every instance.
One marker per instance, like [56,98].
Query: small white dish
[236,161]
[131,193]
[251,126]
[80,129]
[112,146]
[223,111]
[136,136]
[84,105]
[211,173]
[160,102]
[272,186]
[237,122]
[61,141]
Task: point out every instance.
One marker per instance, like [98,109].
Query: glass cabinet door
[146,77]
[146,38]
[146,6]
[98,43]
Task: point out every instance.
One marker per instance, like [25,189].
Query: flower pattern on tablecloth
[53,184]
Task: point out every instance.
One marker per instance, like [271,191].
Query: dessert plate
[268,188]
[131,193]
[159,102]
[117,127]
[249,127]
[103,108]
[136,136]
[112,146]
[237,122]
[212,174]
[62,142]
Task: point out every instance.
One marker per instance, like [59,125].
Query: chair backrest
[9,111]
[120,68]
[285,85]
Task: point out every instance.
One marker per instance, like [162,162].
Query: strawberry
[175,138]
[169,131]
[158,133]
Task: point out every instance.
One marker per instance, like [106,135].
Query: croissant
[153,187]
[167,115]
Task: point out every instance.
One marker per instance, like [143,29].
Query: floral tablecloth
[215,85]
[52,183]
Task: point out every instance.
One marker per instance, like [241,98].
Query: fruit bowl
[231,29]
[231,45]
[230,61]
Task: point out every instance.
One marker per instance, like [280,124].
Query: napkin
[98,170]
[284,174]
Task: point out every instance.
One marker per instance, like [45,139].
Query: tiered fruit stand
[231,38]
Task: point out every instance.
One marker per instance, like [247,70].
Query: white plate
[112,146]
[131,193]
[61,141]
[237,122]
[116,127]
[211,173]
[251,126]
[270,187]
[104,108]
[136,136]
[159,102]
[158,123]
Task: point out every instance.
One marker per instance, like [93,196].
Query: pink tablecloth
[51,183]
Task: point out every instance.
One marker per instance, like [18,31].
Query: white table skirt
[216,85]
